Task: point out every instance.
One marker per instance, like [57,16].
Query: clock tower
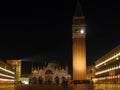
[79,45]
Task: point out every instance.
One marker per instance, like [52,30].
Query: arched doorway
[48,79]
[34,80]
[40,80]
[57,80]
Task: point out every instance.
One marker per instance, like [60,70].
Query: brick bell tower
[79,44]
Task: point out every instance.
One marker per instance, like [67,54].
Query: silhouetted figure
[65,82]
[57,80]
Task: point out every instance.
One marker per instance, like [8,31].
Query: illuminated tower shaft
[79,45]
[79,59]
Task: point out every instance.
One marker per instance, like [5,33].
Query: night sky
[43,29]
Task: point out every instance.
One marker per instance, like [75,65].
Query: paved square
[60,87]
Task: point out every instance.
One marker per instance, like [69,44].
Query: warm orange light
[107,60]
[12,62]
[79,59]
[2,79]
[7,70]
[117,58]
[8,76]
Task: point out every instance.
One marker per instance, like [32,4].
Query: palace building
[51,74]
[107,68]
[7,74]
[17,65]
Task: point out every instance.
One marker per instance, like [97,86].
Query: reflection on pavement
[7,87]
[106,86]
[60,87]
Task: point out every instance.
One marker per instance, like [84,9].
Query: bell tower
[79,44]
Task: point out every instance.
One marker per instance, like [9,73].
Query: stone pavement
[60,87]
[54,87]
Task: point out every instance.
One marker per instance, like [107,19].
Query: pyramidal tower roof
[78,10]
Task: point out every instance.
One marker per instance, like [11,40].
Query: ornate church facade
[51,74]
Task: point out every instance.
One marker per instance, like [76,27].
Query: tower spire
[78,11]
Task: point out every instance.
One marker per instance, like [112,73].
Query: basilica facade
[51,74]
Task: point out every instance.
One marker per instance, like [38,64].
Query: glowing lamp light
[25,82]
[117,58]
[82,31]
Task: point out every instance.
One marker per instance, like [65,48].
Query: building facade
[107,68]
[17,65]
[7,74]
[51,74]
[79,45]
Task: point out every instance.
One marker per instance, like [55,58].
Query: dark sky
[44,28]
